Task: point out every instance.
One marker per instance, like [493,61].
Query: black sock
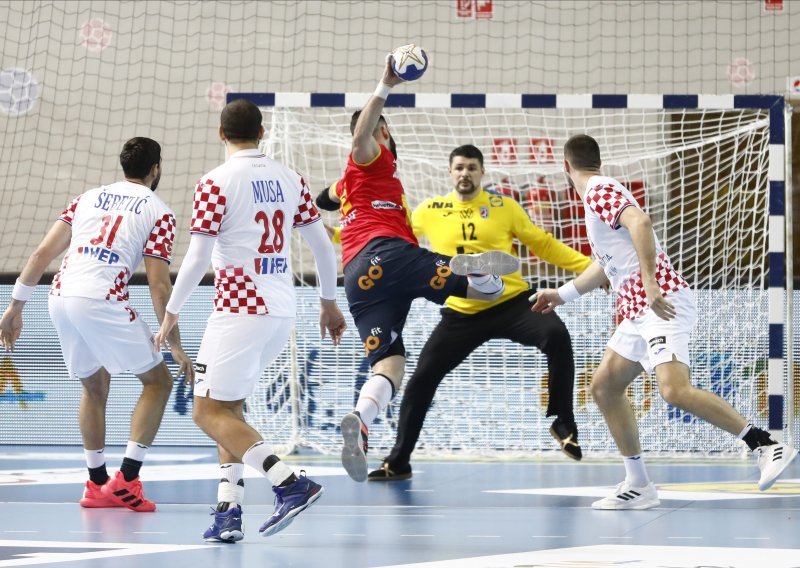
[757,437]
[130,468]
[288,481]
[98,475]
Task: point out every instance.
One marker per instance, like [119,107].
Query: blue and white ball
[409,62]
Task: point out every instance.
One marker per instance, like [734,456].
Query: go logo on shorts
[368,281]
[371,344]
[438,281]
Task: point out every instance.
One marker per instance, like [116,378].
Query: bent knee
[676,395]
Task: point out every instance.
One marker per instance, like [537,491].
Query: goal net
[702,175]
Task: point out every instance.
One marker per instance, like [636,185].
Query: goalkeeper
[470,220]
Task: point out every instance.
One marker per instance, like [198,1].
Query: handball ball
[409,62]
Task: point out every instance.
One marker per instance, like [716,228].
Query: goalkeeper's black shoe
[390,473]
[566,434]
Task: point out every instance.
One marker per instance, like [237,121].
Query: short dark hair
[467,151]
[583,152]
[354,119]
[240,121]
[138,157]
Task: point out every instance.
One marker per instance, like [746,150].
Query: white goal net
[702,175]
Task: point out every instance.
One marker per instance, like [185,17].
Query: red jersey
[373,204]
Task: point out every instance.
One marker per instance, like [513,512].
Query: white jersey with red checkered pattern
[613,249]
[113,227]
[250,204]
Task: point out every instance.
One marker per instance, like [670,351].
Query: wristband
[569,292]
[22,292]
[382,91]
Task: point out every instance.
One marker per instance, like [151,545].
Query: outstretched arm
[640,228]
[53,245]
[545,301]
[365,148]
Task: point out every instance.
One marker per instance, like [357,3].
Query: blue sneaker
[227,526]
[289,501]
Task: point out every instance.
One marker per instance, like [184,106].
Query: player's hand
[160,339]
[186,368]
[545,301]
[10,327]
[389,78]
[658,303]
[331,320]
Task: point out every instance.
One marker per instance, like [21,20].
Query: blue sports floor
[454,514]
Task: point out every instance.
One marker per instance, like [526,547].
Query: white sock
[229,490]
[744,432]
[635,471]
[136,451]
[486,283]
[94,458]
[256,455]
[374,397]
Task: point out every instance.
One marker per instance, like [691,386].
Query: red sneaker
[127,494]
[93,497]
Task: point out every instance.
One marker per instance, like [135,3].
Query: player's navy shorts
[382,280]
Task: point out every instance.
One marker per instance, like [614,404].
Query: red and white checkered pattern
[306,210]
[68,214]
[161,238]
[608,203]
[55,286]
[631,299]
[119,292]
[208,208]
[236,292]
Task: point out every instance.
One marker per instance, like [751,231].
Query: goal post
[709,169]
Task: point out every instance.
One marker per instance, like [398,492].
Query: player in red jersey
[385,269]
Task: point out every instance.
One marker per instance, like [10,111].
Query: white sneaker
[772,460]
[354,450]
[626,496]
[494,262]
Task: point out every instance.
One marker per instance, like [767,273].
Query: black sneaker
[389,473]
[566,434]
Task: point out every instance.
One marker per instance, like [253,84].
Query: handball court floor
[452,513]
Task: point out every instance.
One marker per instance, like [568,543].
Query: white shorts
[99,333]
[650,340]
[235,350]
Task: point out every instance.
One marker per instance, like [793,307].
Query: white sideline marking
[108,550]
[630,556]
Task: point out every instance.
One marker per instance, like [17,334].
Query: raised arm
[53,245]
[640,228]
[365,147]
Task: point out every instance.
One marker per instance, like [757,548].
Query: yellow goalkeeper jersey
[489,222]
